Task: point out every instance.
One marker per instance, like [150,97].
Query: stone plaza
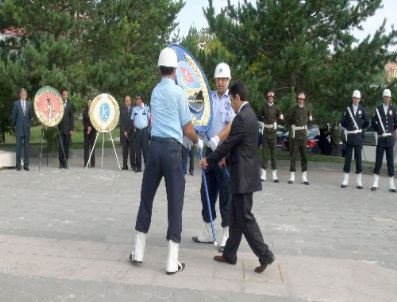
[65,235]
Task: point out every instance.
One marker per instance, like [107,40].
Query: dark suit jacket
[242,144]
[126,124]
[67,123]
[362,122]
[22,121]
[87,121]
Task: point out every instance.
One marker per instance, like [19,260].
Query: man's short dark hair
[165,71]
[64,89]
[240,89]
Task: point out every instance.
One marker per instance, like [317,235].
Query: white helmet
[387,93]
[222,70]
[167,58]
[356,94]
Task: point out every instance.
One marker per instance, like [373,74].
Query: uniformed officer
[171,119]
[299,118]
[217,176]
[385,122]
[141,118]
[354,120]
[270,115]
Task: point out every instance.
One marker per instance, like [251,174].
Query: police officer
[300,116]
[141,118]
[270,115]
[217,176]
[354,120]
[385,122]
[171,119]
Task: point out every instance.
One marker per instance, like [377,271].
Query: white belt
[386,134]
[353,131]
[269,126]
[301,128]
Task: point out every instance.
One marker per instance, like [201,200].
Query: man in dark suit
[241,144]
[21,116]
[89,136]
[127,135]
[66,129]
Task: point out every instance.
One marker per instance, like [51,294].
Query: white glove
[281,117]
[310,118]
[187,143]
[200,144]
[214,142]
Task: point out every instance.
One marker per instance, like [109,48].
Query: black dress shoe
[306,183]
[392,190]
[343,186]
[276,181]
[225,260]
[374,188]
[181,267]
[195,239]
[26,168]
[360,187]
[290,182]
[191,173]
[19,168]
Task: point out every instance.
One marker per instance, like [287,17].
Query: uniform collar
[166,79]
[226,94]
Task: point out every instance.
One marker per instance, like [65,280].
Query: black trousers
[357,156]
[242,222]
[128,146]
[141,146]
[64,141]
[89,140]
[186,153]
[164,160]
[380,150]
[22,142]
[218,183]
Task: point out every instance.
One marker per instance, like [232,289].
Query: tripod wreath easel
[104,114]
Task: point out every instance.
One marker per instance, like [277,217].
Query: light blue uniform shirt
[170,110]
[140,116]
[222,113]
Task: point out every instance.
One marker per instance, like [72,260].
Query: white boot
[274,176]
[173,265]
[263,175]
[345,182]
[359,181]
[225,236]
[304,178]
[291,177]
[392,187]
[376,182]
[205,235]
[139,248]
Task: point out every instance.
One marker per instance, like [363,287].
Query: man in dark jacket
[385,122]
[66,129]
[21,116]
[127,135]
[89,136]
[355,121]
[241,144]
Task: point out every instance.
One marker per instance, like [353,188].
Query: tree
[307,45]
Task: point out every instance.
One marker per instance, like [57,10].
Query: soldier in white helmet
[217,176]
[384,122]
[354,120]
[171,120]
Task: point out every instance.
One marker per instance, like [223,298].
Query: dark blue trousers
[186,153]
[164,160]
[22,142]
[218,183]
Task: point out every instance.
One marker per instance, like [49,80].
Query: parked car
[313,135]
